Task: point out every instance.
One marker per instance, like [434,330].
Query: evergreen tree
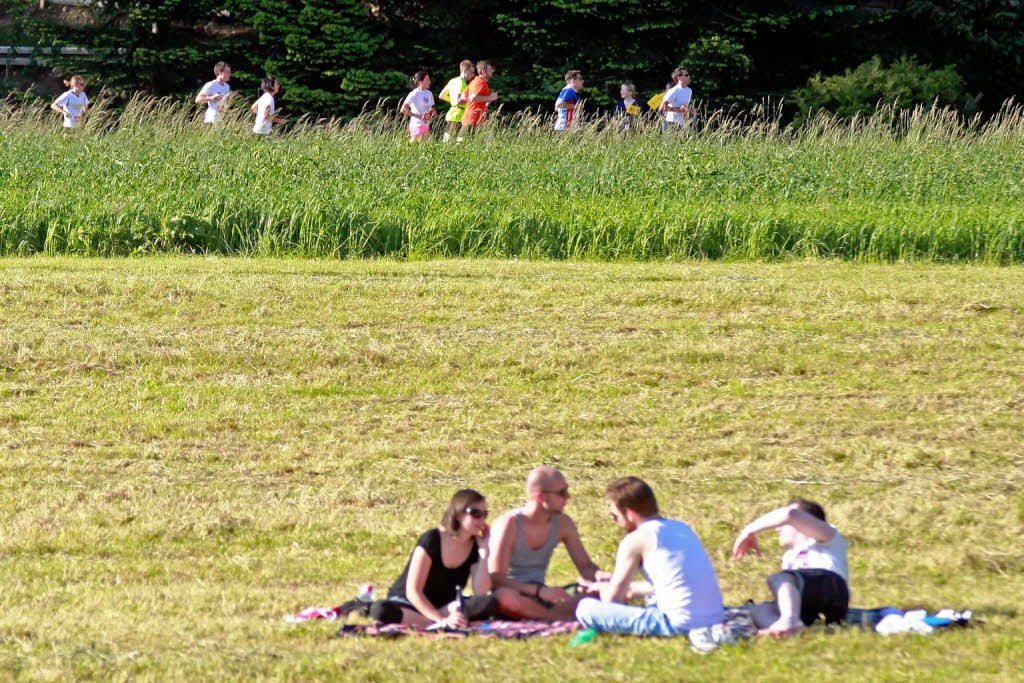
[328,54]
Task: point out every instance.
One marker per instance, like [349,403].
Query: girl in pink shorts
[419,107]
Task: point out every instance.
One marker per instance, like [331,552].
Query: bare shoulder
[503,525]
[636,540]
[566,527]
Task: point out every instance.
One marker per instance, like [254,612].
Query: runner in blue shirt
[565,105]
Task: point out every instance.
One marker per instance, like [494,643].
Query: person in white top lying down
[814,580]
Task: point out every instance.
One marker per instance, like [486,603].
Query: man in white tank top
[522,542]
[681,587]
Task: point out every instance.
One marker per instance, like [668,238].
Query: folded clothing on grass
[892,621]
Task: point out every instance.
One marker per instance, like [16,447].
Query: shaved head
[543,479]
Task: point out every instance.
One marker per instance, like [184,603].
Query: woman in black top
[443,562]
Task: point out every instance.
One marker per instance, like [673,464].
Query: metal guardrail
[25,55]
[72,3]
[29,50]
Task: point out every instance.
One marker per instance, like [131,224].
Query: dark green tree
[334,55]
[159,46]
[983,38]
[330,55]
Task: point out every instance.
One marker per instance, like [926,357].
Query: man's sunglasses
[561,493]
[476,513]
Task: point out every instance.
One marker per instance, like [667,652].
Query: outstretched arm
[805,523]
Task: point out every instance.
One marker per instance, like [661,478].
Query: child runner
[676,104]
[216,92]
[73,104]
[814,578]
[265,107]
[565,105]
[455,94]
[628,108]
[419,107]
[478,96]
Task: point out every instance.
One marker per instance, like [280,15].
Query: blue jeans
[614,617]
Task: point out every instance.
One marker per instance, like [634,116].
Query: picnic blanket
[506,630]
[884,620]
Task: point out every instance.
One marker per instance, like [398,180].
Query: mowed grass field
[192,448]
[896,186]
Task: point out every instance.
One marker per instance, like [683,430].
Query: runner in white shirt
[265,107]
[676,104]
[74,103]
[815,576]
[216,93]
[419,107]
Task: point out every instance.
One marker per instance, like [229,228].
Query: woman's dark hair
[417,78]
[267,84]
[810,507]
[460,501]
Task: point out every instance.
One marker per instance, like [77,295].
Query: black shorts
[822,593]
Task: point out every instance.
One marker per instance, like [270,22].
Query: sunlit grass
[191,448]
[904,185]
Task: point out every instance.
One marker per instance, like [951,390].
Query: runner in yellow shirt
[455,94]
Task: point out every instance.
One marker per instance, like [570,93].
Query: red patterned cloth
[487,629]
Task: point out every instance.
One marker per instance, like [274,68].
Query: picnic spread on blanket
[884,620]
[678,596]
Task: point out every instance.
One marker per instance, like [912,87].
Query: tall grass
[899,185]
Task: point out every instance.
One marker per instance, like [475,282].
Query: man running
[455,94]
[478,97]
[216,93]
[568,99]
[676,104]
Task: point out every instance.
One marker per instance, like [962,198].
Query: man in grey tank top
[522,541]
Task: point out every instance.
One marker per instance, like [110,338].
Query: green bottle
[583,637]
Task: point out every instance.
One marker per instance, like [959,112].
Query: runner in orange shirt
[478,96]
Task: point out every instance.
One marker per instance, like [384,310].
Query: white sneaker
[707,639]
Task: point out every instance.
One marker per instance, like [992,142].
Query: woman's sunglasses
[476,513]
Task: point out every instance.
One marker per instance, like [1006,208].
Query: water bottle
[366,593]
[583,637]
